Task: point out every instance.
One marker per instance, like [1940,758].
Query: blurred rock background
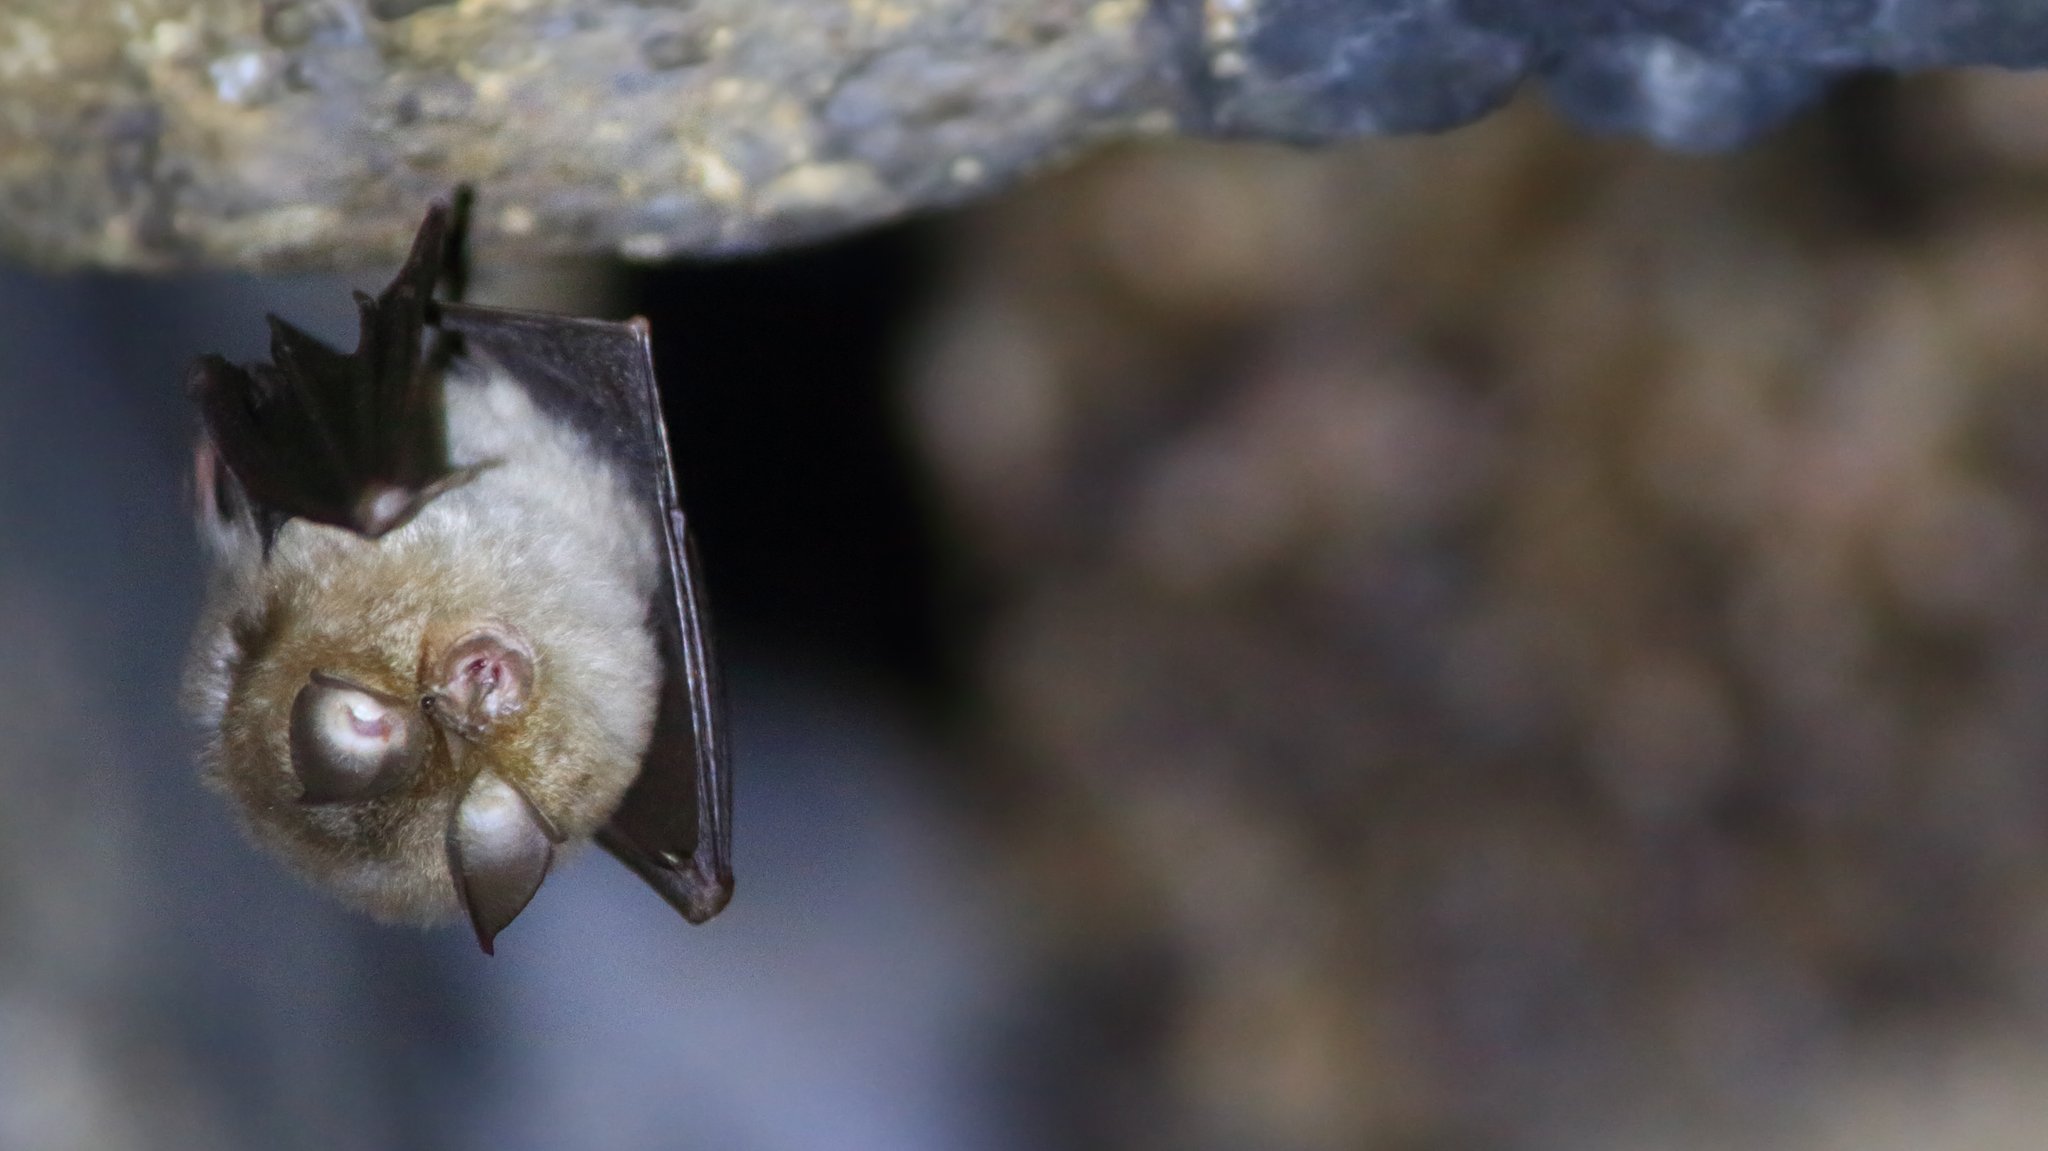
[1508,640]
[1512,640]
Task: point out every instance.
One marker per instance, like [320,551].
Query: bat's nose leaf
[483,677]
[499,851]
[350,743]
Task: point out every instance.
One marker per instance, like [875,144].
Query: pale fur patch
[548,540]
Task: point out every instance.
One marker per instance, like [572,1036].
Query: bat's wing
[674,827]
[356,440]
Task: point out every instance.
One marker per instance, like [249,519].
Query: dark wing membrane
[356,440]
[674,828]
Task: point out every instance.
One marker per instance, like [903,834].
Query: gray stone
[308,132]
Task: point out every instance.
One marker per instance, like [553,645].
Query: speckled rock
[295,132]
[298,132]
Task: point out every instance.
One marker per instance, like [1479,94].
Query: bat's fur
[546,540]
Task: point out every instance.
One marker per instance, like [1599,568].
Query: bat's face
[417,721]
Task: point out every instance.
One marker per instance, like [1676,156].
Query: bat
[454,625]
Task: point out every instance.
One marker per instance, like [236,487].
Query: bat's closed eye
[350,743]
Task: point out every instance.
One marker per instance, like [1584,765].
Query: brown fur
[547,541]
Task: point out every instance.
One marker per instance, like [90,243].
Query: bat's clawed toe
[499,850]
[384,508]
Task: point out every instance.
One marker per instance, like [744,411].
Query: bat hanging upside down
[454,622]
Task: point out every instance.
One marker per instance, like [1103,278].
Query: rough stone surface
[293,132]
[311,131]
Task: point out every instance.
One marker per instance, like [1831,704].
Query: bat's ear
[499,850]
[350,743]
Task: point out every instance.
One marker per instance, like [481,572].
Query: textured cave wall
[288,132]
[301,131]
